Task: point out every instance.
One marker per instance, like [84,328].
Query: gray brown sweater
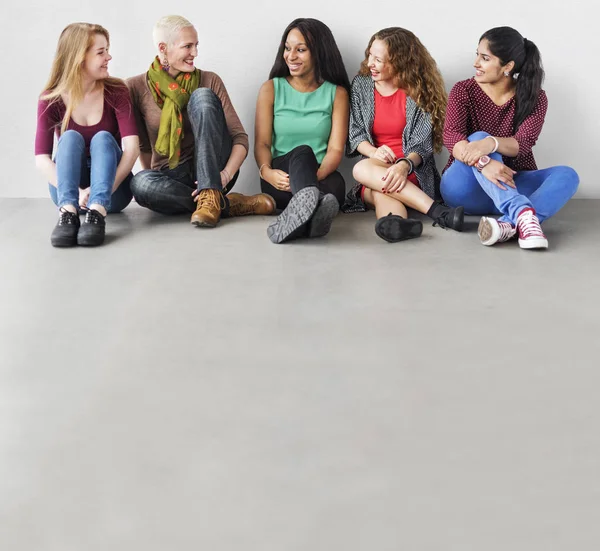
[147,116]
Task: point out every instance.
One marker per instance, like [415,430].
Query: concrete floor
[185,389]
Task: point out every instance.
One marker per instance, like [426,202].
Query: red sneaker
[491,231]
[531,235]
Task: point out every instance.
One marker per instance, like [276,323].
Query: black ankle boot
[447,217]
[394,228]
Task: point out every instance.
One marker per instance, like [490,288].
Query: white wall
[238,40]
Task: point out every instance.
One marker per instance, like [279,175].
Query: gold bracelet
[260,169]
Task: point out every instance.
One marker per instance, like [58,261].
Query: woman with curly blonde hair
[398,103]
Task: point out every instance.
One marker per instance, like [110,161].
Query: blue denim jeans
[75,170]
[169,191]
[546,190]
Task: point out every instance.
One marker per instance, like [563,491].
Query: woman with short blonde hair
[192,141]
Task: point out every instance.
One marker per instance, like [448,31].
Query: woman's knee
[479,135]
[72,138]
[102,139]
[303,151]
[568,178]
[141,182]
[204,99]
[359,170]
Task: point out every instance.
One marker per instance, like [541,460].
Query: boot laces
[211,199]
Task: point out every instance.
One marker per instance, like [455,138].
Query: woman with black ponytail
[492,122]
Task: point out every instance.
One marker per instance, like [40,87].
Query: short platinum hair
[167,28]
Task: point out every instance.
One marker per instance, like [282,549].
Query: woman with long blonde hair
[90,113]
[398,103]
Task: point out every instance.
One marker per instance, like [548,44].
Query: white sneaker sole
[488,231]
[533,243]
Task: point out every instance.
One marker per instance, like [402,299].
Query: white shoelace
[507,231]
[529,225]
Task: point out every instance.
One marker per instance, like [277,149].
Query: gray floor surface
[186,389]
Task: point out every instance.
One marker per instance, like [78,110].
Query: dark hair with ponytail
[507,44]
[325,54]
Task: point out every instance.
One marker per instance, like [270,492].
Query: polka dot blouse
[471,110]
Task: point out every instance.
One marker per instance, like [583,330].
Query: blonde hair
[416,72]
[167,27]
[66,73]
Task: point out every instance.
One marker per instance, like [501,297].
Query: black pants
[301,165]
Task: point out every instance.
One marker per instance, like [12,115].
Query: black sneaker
[92,230]
[394,228]
[65,232]
[327,209]
[447,217]
[291,223]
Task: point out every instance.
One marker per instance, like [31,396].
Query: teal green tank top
[301,118]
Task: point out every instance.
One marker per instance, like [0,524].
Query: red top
[470,110]
[389,123]
[117,118]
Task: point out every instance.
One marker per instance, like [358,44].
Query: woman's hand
[277,178]
[384,154]
[498,173]
[395,177]
[474,150]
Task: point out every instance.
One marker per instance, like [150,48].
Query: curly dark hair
[416,72]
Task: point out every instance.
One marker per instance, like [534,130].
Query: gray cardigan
[417,135]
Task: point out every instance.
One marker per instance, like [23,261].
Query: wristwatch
[482,162]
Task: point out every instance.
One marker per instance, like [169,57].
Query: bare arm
[263,124]
[146,160]
[237,157]
[131,150]
[47,167]
[338,136]
[470,152]
[263,138]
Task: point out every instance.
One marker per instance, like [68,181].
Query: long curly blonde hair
[416,72]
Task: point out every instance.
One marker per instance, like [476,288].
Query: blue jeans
[75,170]
[546,191]
[169,191]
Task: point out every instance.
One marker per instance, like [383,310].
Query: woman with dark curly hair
[301,129]
[398,103]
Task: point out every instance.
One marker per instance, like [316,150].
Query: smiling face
[182,52]
[379,62]
[488,67]
[297,55]
[95,64]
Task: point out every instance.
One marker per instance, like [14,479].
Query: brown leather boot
[240,205]
[208,208]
